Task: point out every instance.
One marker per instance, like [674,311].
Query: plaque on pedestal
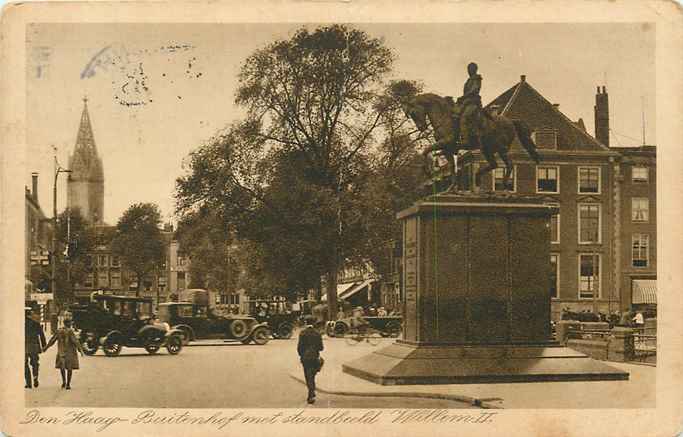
[477,298]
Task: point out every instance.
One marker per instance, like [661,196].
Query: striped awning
[644,291]
[341,288]
[358,287]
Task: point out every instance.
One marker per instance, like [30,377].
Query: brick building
[37,235]
[636,247]
[108,275]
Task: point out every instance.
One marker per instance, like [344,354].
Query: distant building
[85,185]
[107,274]
[636,247]
[37,236]
[178,269]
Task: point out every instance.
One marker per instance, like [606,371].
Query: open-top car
[114,322]
[387,326]
[198,321]
[277,313]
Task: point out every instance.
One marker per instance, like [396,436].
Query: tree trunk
[319,291]
[137,291]
[332,271]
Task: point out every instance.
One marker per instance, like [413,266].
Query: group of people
[628,318]
[68,347]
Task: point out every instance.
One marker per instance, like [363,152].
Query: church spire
[86,180]
[85,139]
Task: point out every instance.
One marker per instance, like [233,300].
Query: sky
[187,78]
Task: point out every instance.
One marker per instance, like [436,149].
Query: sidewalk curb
[482,403]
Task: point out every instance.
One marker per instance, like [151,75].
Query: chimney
[602,116]
[34,191]
[556,106]
[522,78]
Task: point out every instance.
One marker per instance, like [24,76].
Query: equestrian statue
[465,125]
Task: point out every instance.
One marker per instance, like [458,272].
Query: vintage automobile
[115,322]
[198,321]
[278,314]
[388,326]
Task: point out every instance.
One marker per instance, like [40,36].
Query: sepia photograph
[410,222]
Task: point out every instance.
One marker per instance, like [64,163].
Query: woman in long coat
[67,356]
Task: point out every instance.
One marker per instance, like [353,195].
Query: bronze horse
[496,134]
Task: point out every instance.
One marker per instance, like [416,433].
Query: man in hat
[34,344]
[468,109]
[309,348]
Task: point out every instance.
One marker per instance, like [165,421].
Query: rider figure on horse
[468,109]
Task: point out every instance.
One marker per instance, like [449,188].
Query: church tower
[86,180]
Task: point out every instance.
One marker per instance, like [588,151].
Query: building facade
[37,236]
[85,184]
[636,247]
[178,269]
[107,274]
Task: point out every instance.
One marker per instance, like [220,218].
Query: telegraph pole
[53,261]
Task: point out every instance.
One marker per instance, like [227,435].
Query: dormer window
[545,138]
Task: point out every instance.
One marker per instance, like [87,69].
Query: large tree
[313,94]
[205,238]
[138,240]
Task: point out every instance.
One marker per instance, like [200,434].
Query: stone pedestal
[476,272]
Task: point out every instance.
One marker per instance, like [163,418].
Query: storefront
[644,296]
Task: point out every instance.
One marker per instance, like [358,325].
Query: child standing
[67,358]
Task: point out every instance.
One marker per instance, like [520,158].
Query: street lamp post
[53,279]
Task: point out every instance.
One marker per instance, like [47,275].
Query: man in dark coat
[469,109]
[309,347]
[34,344]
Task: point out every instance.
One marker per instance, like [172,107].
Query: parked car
[277,314]
[197,321]
[115,322]
[388,326]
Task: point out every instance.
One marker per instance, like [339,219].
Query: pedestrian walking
[309,348]
[67,348]
[34,343]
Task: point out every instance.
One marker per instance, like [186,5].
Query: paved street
[231,375]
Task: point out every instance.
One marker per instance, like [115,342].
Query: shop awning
[341,288]
[644,291]
[360,286]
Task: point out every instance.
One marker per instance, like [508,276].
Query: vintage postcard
[326,218]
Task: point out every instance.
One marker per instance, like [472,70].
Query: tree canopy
[304,175]
[138,240]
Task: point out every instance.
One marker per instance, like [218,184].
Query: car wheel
[238,328]
[152,348]
[112,348]
[89,344]
[285,331]
[340,329]
[186,336]
[174,344]
[260,335]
